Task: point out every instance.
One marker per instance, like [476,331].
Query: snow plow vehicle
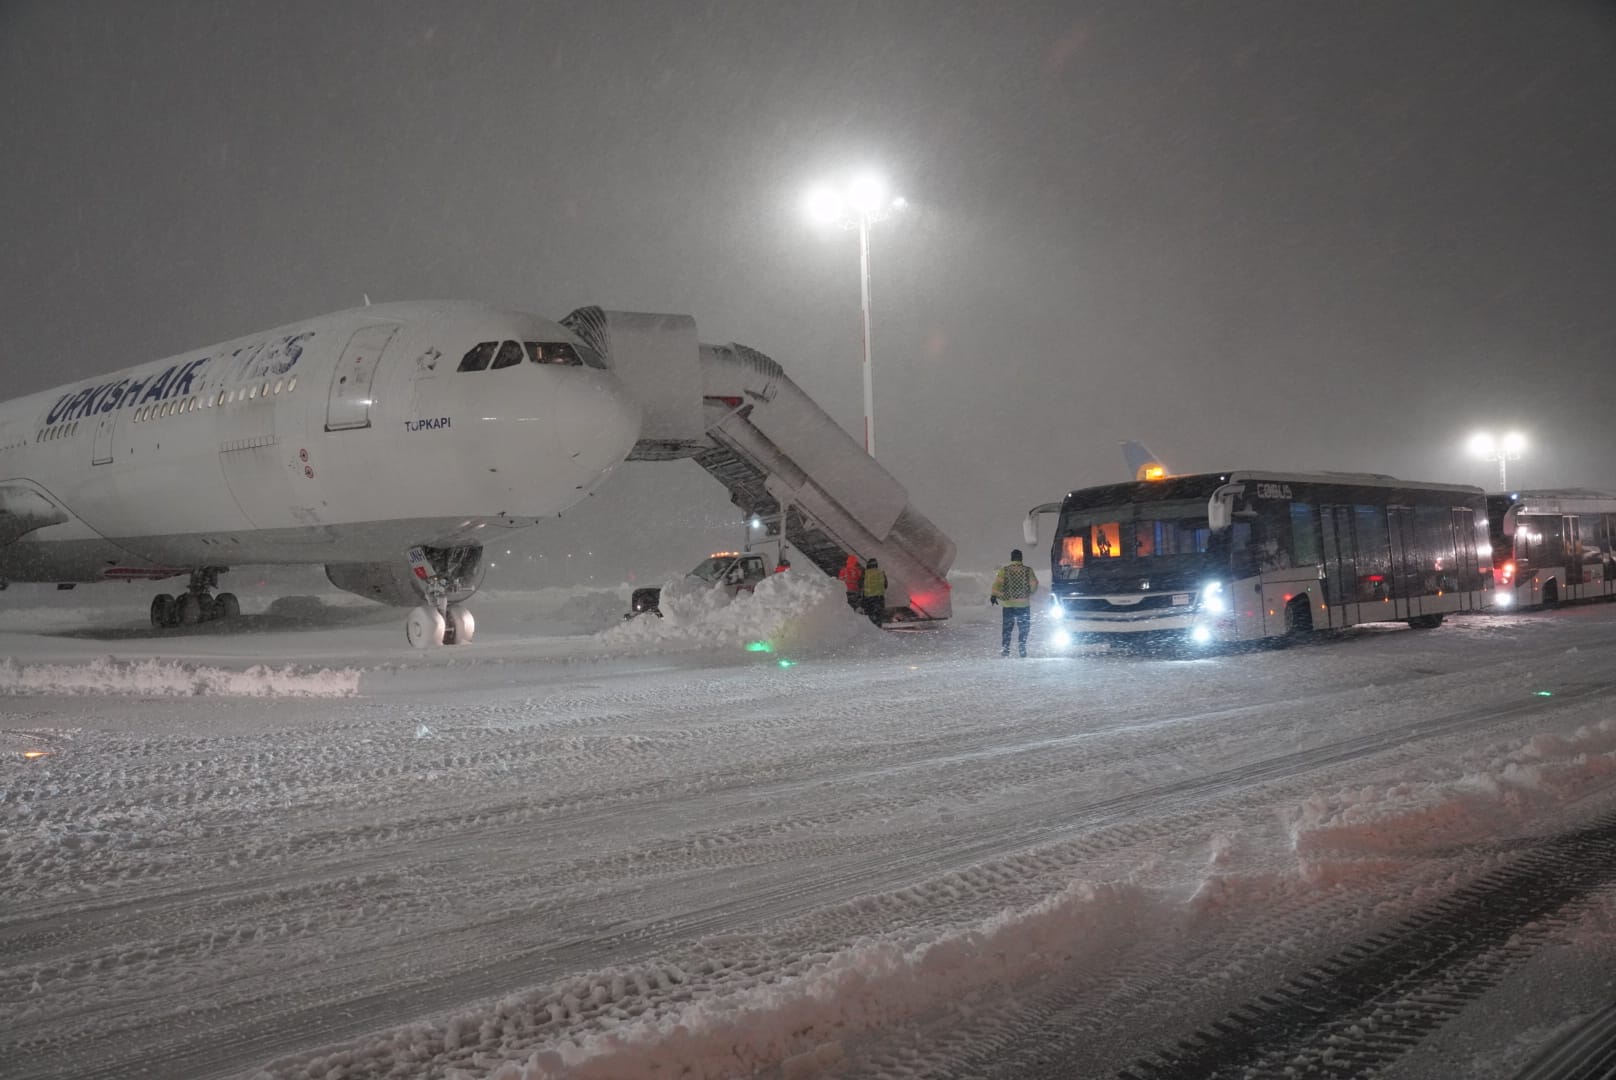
[734,571]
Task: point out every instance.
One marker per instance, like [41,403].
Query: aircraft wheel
[163,613]
[188,612]
[226,606]
[425,627]
[463,623]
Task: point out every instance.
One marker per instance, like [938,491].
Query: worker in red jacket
[852,576]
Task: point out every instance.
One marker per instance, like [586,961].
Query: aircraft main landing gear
[196,605]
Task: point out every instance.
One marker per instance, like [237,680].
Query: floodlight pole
[869,373]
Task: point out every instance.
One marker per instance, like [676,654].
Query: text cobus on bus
[1246,555]
[1550,546]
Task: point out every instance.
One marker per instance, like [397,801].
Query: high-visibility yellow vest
[875,581]
[1014,584]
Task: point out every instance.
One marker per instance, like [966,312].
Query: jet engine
[393,582]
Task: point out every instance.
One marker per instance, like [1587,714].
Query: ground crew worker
[852,576]
[875,592]
[1013,587]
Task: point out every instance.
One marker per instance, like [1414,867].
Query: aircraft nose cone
[598,420]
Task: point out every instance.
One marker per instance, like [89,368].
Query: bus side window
[1273,540]
[1304,535]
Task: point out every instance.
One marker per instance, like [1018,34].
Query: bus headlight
[1213,602]
[1060,638]
[1503,599]
[1201,635]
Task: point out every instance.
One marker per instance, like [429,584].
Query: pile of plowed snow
[170,679]
[802,612]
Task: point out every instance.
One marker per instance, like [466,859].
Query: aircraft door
[349,404]
[101,446]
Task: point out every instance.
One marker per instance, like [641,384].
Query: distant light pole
[1503,451]
[858,203]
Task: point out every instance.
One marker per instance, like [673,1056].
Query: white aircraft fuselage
[350,438]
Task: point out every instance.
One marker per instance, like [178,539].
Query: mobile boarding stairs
[783,460]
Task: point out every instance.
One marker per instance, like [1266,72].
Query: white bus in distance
[1552,546]
[1242,556]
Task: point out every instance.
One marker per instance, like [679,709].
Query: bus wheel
[1425,622]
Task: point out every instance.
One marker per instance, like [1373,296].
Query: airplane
[299,446]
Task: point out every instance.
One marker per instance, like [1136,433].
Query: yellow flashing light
[1152,471]
[32,754]
[723,554]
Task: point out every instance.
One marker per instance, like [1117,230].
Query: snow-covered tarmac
[298,849]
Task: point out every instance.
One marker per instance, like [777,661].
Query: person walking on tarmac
[875,592]
[1013,587]
[852,576]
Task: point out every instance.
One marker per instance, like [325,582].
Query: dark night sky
[1272,234]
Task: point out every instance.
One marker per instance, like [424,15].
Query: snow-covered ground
[751,839]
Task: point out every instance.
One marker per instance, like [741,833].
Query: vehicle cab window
[479,356]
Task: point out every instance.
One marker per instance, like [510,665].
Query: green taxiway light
[1542,693]
[788,663]
[759,646]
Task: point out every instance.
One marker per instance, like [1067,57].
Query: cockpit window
[477,359]
[510,354]
[552,352]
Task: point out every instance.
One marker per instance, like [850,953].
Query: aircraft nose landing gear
[436,622]
[196,605]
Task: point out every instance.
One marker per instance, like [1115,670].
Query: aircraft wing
[23,509]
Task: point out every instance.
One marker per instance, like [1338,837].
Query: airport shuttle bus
[1552,546]
[1247,555]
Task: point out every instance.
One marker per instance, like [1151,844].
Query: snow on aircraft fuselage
[383,442]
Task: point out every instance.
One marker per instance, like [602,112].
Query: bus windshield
[1156,537]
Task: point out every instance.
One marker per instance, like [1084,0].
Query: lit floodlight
[857,201]
[1481,444]
[867,193]
[1514,442]
[1060,639]
[825,205]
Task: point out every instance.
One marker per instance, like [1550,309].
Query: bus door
[1466,569]
[1406,583]
[1577,571]
[1340,573]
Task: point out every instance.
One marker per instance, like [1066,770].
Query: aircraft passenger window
[252,393]
[291,384]
[477,359]
[264,389]
[557,352]
[278,383]
[510,354]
